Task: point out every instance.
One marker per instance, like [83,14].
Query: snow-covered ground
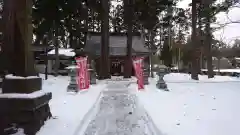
[205,107]
[68,109]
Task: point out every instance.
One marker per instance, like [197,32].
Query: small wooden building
[66,57]
[117,50]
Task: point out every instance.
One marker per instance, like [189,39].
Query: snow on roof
[224,58]
[63,51]
[214,58]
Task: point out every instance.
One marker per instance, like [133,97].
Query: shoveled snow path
[119,113]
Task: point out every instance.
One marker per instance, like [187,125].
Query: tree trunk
[200,35]
[45,42]
[209,42]
[194,68]
[86,26]
[92,21]
[71,40]
[151,53]
[128,13]
[56,45]
[218,65]
[105,66]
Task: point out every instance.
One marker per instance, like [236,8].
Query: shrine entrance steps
[119,113]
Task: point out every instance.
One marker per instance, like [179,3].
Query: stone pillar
[28,112]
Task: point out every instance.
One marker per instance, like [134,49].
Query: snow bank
[194,108]
[63,51]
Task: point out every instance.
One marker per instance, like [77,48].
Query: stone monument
[22,101]
[161,71]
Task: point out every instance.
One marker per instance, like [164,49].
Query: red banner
[82,73]
[138,64]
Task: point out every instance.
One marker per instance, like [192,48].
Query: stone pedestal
[161,84]
[21,85]
[73,83]
[93,77]
[27,110]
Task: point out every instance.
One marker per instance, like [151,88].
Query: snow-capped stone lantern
[92,72]
[145,74]
[72,72]
[161,71]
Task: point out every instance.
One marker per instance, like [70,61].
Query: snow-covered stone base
[32,95]
[10,76]
[27,111]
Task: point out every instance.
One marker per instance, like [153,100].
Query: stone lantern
[161,71]
[92,72]
[145,74]
[72,72]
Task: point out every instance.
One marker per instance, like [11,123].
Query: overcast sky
[230,32]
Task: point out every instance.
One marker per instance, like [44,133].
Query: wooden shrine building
[117,50]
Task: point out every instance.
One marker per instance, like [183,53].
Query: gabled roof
[117,45]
